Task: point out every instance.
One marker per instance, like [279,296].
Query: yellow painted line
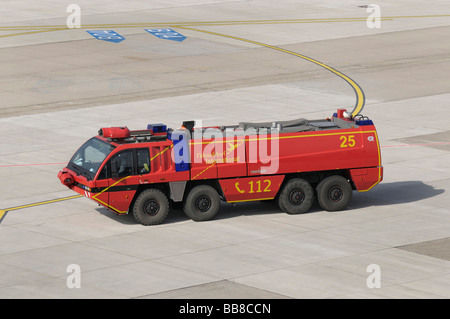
[293,136]
[160,153]
[261,21]
[360,98]
[376,183]
[42,203]
[174,24]
[109,206]
[23,29]
[280,22]
[31,32]
[379,149]
[193,23]
[98,200]
[312,20]
[305,20]
[420,16]
[111,186]
[214,162]
[379,165]
[3,212]
[310,135]
[50,28]
[227,22]
[250,200]
[285,137]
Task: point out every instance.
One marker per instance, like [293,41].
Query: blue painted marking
[167,34]
[106,35]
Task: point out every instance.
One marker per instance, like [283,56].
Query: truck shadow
[394,193]
[383,194]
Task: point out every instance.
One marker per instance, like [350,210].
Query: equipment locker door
[233,161]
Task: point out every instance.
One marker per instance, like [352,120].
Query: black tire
[334,193]
[151,207]
[296,197]
[202,203]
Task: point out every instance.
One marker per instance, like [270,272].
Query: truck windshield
[89,157]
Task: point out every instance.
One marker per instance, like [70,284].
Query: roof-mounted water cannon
[153,132]
[114,132]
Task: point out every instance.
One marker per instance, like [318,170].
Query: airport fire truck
[145,172]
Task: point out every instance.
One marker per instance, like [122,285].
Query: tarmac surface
[58,86]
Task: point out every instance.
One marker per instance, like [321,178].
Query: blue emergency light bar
[363,122]
[157,128]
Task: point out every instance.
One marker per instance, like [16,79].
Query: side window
[103,173]
[143,161]
[124,162]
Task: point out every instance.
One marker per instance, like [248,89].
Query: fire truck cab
[145,172]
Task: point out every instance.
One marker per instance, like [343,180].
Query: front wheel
[334,193]
[151,207]
[202,203]
[296,197]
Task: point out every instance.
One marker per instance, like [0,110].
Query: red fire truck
[145,172]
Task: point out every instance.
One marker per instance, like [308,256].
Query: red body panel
[251,188]
[366,178]
[298,152]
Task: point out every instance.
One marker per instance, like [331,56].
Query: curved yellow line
[360,98]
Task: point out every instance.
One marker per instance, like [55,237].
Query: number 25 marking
[348,141]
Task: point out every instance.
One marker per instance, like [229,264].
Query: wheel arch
[315,177]
[142,187]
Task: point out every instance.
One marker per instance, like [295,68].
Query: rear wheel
[202,203]
[151,207]
[334,193]
[296,197]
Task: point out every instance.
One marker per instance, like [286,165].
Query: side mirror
[114,169]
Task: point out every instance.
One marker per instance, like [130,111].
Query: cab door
[100,190]
[126,167]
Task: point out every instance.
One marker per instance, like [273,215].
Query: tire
[334,193]
[151,207]
[202,203]
[296,197]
